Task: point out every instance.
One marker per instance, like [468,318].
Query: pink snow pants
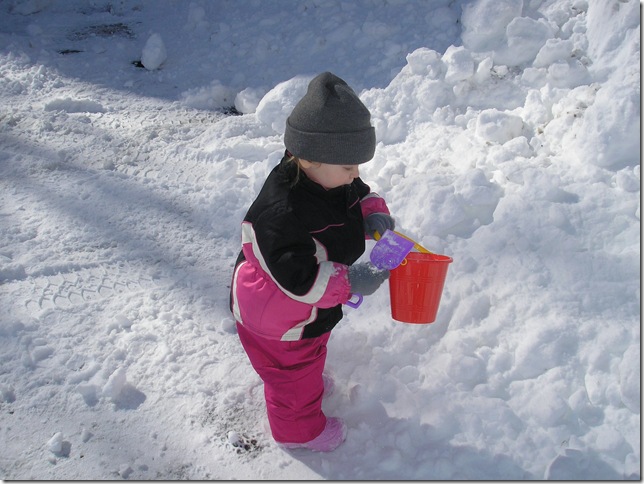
[293,385]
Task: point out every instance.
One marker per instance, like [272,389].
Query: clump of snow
[58,447]
[213,96]
[277,104]
[247,100]
[498,126]
[115,384]
[485,23]
[55,444]
[154,53]
[69,105]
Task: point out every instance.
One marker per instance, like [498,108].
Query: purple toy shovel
[388,253]
[390,250]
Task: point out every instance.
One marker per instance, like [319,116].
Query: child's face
[330,176]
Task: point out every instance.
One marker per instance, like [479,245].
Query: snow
[154,53]
[508,139]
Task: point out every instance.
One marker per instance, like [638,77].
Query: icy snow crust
[508,139]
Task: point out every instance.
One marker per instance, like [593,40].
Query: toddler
[300,239]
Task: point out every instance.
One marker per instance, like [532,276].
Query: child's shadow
[380,447]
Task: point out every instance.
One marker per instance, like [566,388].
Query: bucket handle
[354,304]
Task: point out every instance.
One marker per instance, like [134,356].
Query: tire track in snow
[87,284]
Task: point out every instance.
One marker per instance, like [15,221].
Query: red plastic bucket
[416,286]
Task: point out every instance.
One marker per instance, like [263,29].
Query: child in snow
[300,239]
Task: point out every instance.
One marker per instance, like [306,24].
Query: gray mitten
[378,222]
[365,278]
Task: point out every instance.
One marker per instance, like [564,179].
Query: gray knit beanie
[330,124]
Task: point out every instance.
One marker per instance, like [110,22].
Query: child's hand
[378,222]
[365,278]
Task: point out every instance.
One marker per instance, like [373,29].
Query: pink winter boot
[330,439]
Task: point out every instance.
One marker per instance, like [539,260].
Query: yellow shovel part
[417,246]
